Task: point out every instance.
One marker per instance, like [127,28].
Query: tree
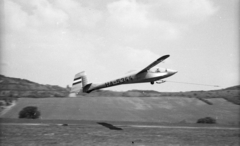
[207,120]
[29,112]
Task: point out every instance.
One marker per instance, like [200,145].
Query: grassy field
[146,113]
[145,109]
[91,134]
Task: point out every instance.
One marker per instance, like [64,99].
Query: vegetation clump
[207,120]
[29,112]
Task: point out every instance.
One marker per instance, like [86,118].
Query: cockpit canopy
[157,70]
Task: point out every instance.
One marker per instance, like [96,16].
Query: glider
[149,74]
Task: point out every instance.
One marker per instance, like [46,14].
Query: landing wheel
[152,83]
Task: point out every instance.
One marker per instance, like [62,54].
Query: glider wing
[154,63]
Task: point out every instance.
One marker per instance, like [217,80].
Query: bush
[207,120]
[29,112]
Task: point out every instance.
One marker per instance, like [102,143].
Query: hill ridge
[16,87]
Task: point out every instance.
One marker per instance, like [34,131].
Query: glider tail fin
[79,82]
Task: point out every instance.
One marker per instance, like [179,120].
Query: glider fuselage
[148,74]
[144,77]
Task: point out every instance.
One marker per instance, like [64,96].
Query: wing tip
[163,57]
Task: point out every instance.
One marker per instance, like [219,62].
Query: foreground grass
[88,133]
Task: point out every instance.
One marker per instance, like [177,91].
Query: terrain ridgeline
[18,88]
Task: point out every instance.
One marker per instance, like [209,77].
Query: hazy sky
[49,41]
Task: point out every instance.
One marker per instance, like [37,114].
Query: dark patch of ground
[84,133]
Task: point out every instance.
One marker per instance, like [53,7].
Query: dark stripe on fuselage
[77,78]
[77,83]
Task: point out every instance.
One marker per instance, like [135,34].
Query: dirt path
[7,108]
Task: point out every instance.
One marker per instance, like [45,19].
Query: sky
[49,41]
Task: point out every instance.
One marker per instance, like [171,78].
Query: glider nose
[172,72]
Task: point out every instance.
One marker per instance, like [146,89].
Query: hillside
[231,94]
[140,109]
[19,88]
[106,105]
[16,87]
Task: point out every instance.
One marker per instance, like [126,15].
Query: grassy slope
[16,87]
[231,94]
[149,109]
[134,105]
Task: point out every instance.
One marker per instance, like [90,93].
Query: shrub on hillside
[206,120]
[29,112]
[8,100]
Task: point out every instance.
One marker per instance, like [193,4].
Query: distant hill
[233,88]
[18,88]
